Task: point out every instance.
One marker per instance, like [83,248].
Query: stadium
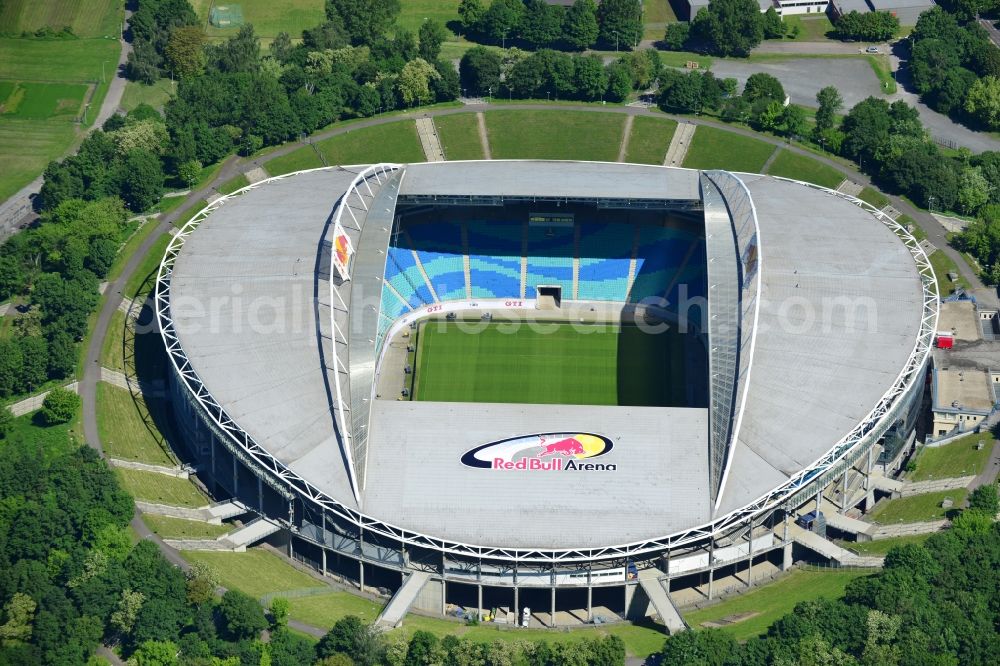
[575,387]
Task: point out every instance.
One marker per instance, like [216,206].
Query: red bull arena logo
[545,452]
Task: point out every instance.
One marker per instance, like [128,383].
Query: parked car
[872,49]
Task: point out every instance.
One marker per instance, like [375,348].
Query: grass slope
[161,489]
[297,160]
[918,508]
[392,142]
[547,364]
[177,528]
[649,140]
[256,572]
[555,135]
[800,167]
[113,349]
[155,95]
[774,600]
[959,458]
[459,135]
[124,433]
[714,148]
[87,18]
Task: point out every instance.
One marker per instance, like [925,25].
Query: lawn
[775,600]
[656,14]
[323,610]
[459,135]
[87,18]
[112,349]
[233,184]
[943,264]
[392,142]
[414,12]
[178,528]
[297,160]
[26,148]
[146,270]
[268,17]
[714,148]
[959,458]
[874,197]
[882,546]
[53,440]
[800,167]
[30,100]
[649,140]
[161,489]
[555,135]
[918,508]
[256,572]
[548,363]
[124,432]
[189,213]
[811,28]
[155,95]
[69,61]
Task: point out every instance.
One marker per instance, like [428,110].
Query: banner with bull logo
[342,251]
[543,452]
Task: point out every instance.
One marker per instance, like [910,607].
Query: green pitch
[550,363]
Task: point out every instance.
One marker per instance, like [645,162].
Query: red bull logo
[544,452]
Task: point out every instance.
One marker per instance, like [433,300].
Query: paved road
[802,78]
[991,28]
[16,210]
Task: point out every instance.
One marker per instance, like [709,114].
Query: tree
[154,653]
[422,650]
[185,56]
[793,119]
[983,101]
[62,354]
[503,19]
[866,128]
[731,27]
[479,71]
[60,406]
[973,190]
[773,27]
[761,86]
[142,181]
[414,82]
[471,13]
[6,421]
[620,23]
[201,582]
[830,103]
[18,613]
[350,636]
[239,53]
[580,28]
[542,23]
[34,361]
[432,34]
[364,20]
[12,277]
[869,27]
[985,499]
[591,79]
[619,82]
[241,615]
[189,172]
[279,612]
[677,35]
[123,617]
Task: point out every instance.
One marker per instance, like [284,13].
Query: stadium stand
[660,255]
[550,257]
[605,251]
[439,247]
[496,274]
[402,273]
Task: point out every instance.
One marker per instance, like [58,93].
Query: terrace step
[935,485]
[649,580]
[908,529]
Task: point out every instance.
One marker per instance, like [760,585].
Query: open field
[714,148]
[177,528]
[256,572]
[71,60]
[811,28]
[918,508]
[26,147]
[413,13]
[959,458]
[566,135]
[268,17]
[124,433]
[161,489]
[772,601]
[882,546]
[155,95]
[558,365]
[800,167]
[649,140]
[86,18]
[459,136]
[392,142]
[943,264]
[30,100]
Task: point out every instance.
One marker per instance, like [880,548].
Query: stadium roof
[812,381]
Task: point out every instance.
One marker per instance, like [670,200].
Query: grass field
[943,264]
[459,135]
[268,17]
[800,167]
[656,15]
[146,271]
[323,610]
[124,433]
[256,572]
[413,12]
[548,363]
[233,184]
[112,349]
[959,458]
[161,489]
[714,148]
[72,60]
[177,528]
[882,546]
[918,508]
[811,28]
[87,18]
[31,100]
[772,601]
[392,142]
[297,160]
[26,147]
[155,95]
[874,197]
[649,140]
[564,135]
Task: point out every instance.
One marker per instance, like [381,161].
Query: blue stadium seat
[659,258]
[439,246]
[402,273]
[495,259]
[605,254]
[550,258]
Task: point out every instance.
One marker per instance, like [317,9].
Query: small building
[907,11]
[789,7]
[838,8]
[694,5]
[961,399]
[960,320]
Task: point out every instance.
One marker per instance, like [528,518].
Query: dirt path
[484,138]
[626,135]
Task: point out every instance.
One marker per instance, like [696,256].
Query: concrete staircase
[213,513]
[848,524]
[394,612]
[649,581]
[830,550]
[429,140]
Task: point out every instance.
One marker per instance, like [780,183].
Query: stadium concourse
[392,363]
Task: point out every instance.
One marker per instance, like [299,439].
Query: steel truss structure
[830,465]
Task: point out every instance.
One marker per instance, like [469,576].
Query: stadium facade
[286,310]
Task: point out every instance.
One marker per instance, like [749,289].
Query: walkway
[429,140]
[680,143]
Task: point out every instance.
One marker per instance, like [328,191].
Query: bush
[60,406]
